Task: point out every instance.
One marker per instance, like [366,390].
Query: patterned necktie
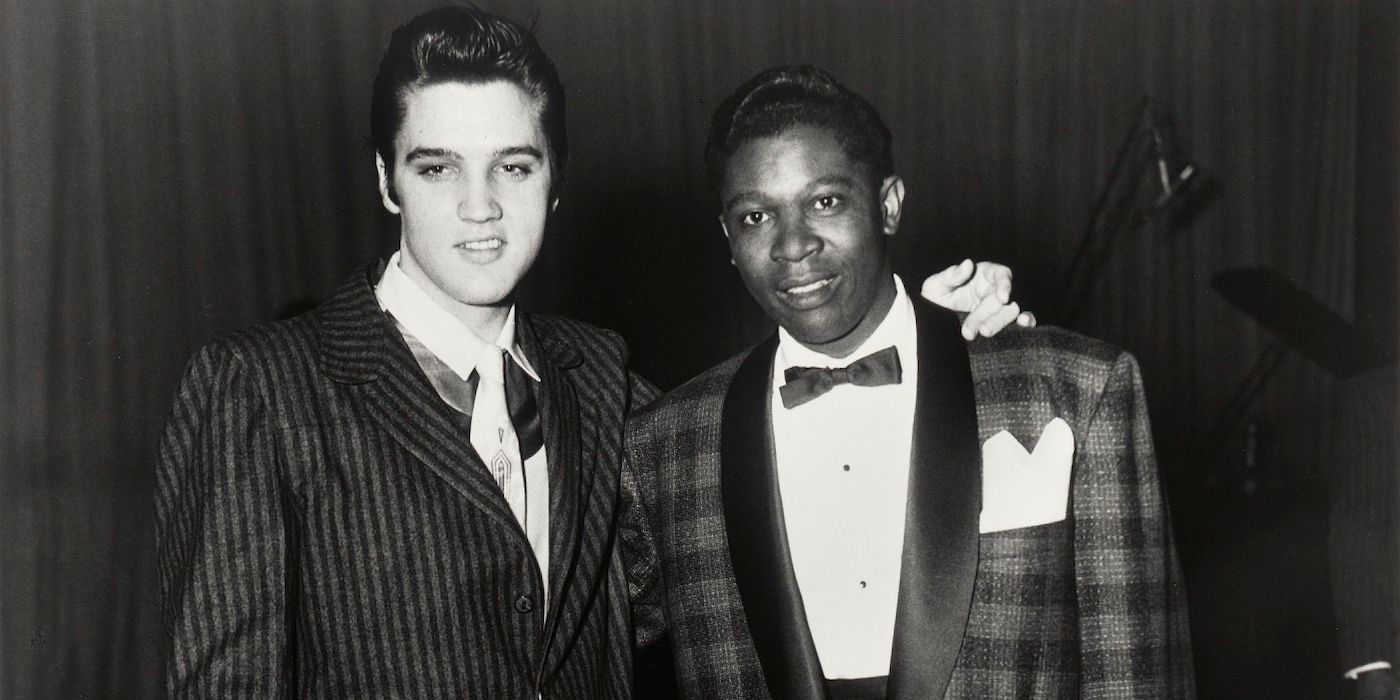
[806,383]
[492,434]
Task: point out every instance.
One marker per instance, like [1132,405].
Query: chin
[482,297]
[817,334]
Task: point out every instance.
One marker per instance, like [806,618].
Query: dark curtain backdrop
[173,169]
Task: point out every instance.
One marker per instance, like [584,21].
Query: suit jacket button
[523,604]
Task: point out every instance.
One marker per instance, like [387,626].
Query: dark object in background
[1178,192]
[1301,323]
[1304,323]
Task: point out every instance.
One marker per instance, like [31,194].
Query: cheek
[526,216]
[750,254]
[425,204]
[526,203]
[750,270]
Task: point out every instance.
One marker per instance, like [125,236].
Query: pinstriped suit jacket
[326,530]
[1090,607]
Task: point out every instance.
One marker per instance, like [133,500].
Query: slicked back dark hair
[781,98]
[467,45]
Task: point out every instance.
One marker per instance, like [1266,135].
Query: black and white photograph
[716,350]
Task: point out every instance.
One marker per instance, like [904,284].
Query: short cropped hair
[781,98]
[465,44]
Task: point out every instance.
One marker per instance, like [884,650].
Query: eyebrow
[431,153]
[747,194]
[840,180]
[450,154]
[835,180]
[520,151]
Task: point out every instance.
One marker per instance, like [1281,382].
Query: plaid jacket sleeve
[1134,639]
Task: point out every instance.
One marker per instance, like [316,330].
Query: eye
[826,202]
[753,218]
[437,171]
[517,171]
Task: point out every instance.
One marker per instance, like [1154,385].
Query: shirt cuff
[1373,666]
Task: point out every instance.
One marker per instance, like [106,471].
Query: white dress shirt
[459,348]
[843,473]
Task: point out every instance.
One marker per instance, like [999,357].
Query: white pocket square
[1021,489]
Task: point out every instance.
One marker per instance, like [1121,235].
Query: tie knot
[491,364]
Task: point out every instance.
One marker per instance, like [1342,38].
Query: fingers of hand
[991,276]
[1000,319]
[986,308]
[940,286]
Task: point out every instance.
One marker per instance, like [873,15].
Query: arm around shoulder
[221,535]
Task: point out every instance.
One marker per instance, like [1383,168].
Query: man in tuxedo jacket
[412,491]
[864,506]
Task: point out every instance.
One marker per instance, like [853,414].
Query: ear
[385,188]
[725,228]
[891,204]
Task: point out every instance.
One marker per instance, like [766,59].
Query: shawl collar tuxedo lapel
[570,442]
[361,347]
[758,547]
[945,497]
[939,564]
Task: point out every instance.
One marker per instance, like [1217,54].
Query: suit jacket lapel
[361,347]
[570,442]
[758,547]
[939,564]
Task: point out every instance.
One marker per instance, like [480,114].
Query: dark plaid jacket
[1090,607]
[326,530]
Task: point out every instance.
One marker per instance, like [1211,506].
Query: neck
[485,322]
[847,344]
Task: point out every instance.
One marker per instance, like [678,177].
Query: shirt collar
[437,329]
[896,328]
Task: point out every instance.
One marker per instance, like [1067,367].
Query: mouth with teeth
[802,294]
[481,245]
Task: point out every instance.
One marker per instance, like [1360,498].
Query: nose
[794,242]
[478,204]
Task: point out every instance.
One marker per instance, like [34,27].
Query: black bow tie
[807,383]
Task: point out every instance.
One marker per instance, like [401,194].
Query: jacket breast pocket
[1024,620]
[1025,587]
[1040,549]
